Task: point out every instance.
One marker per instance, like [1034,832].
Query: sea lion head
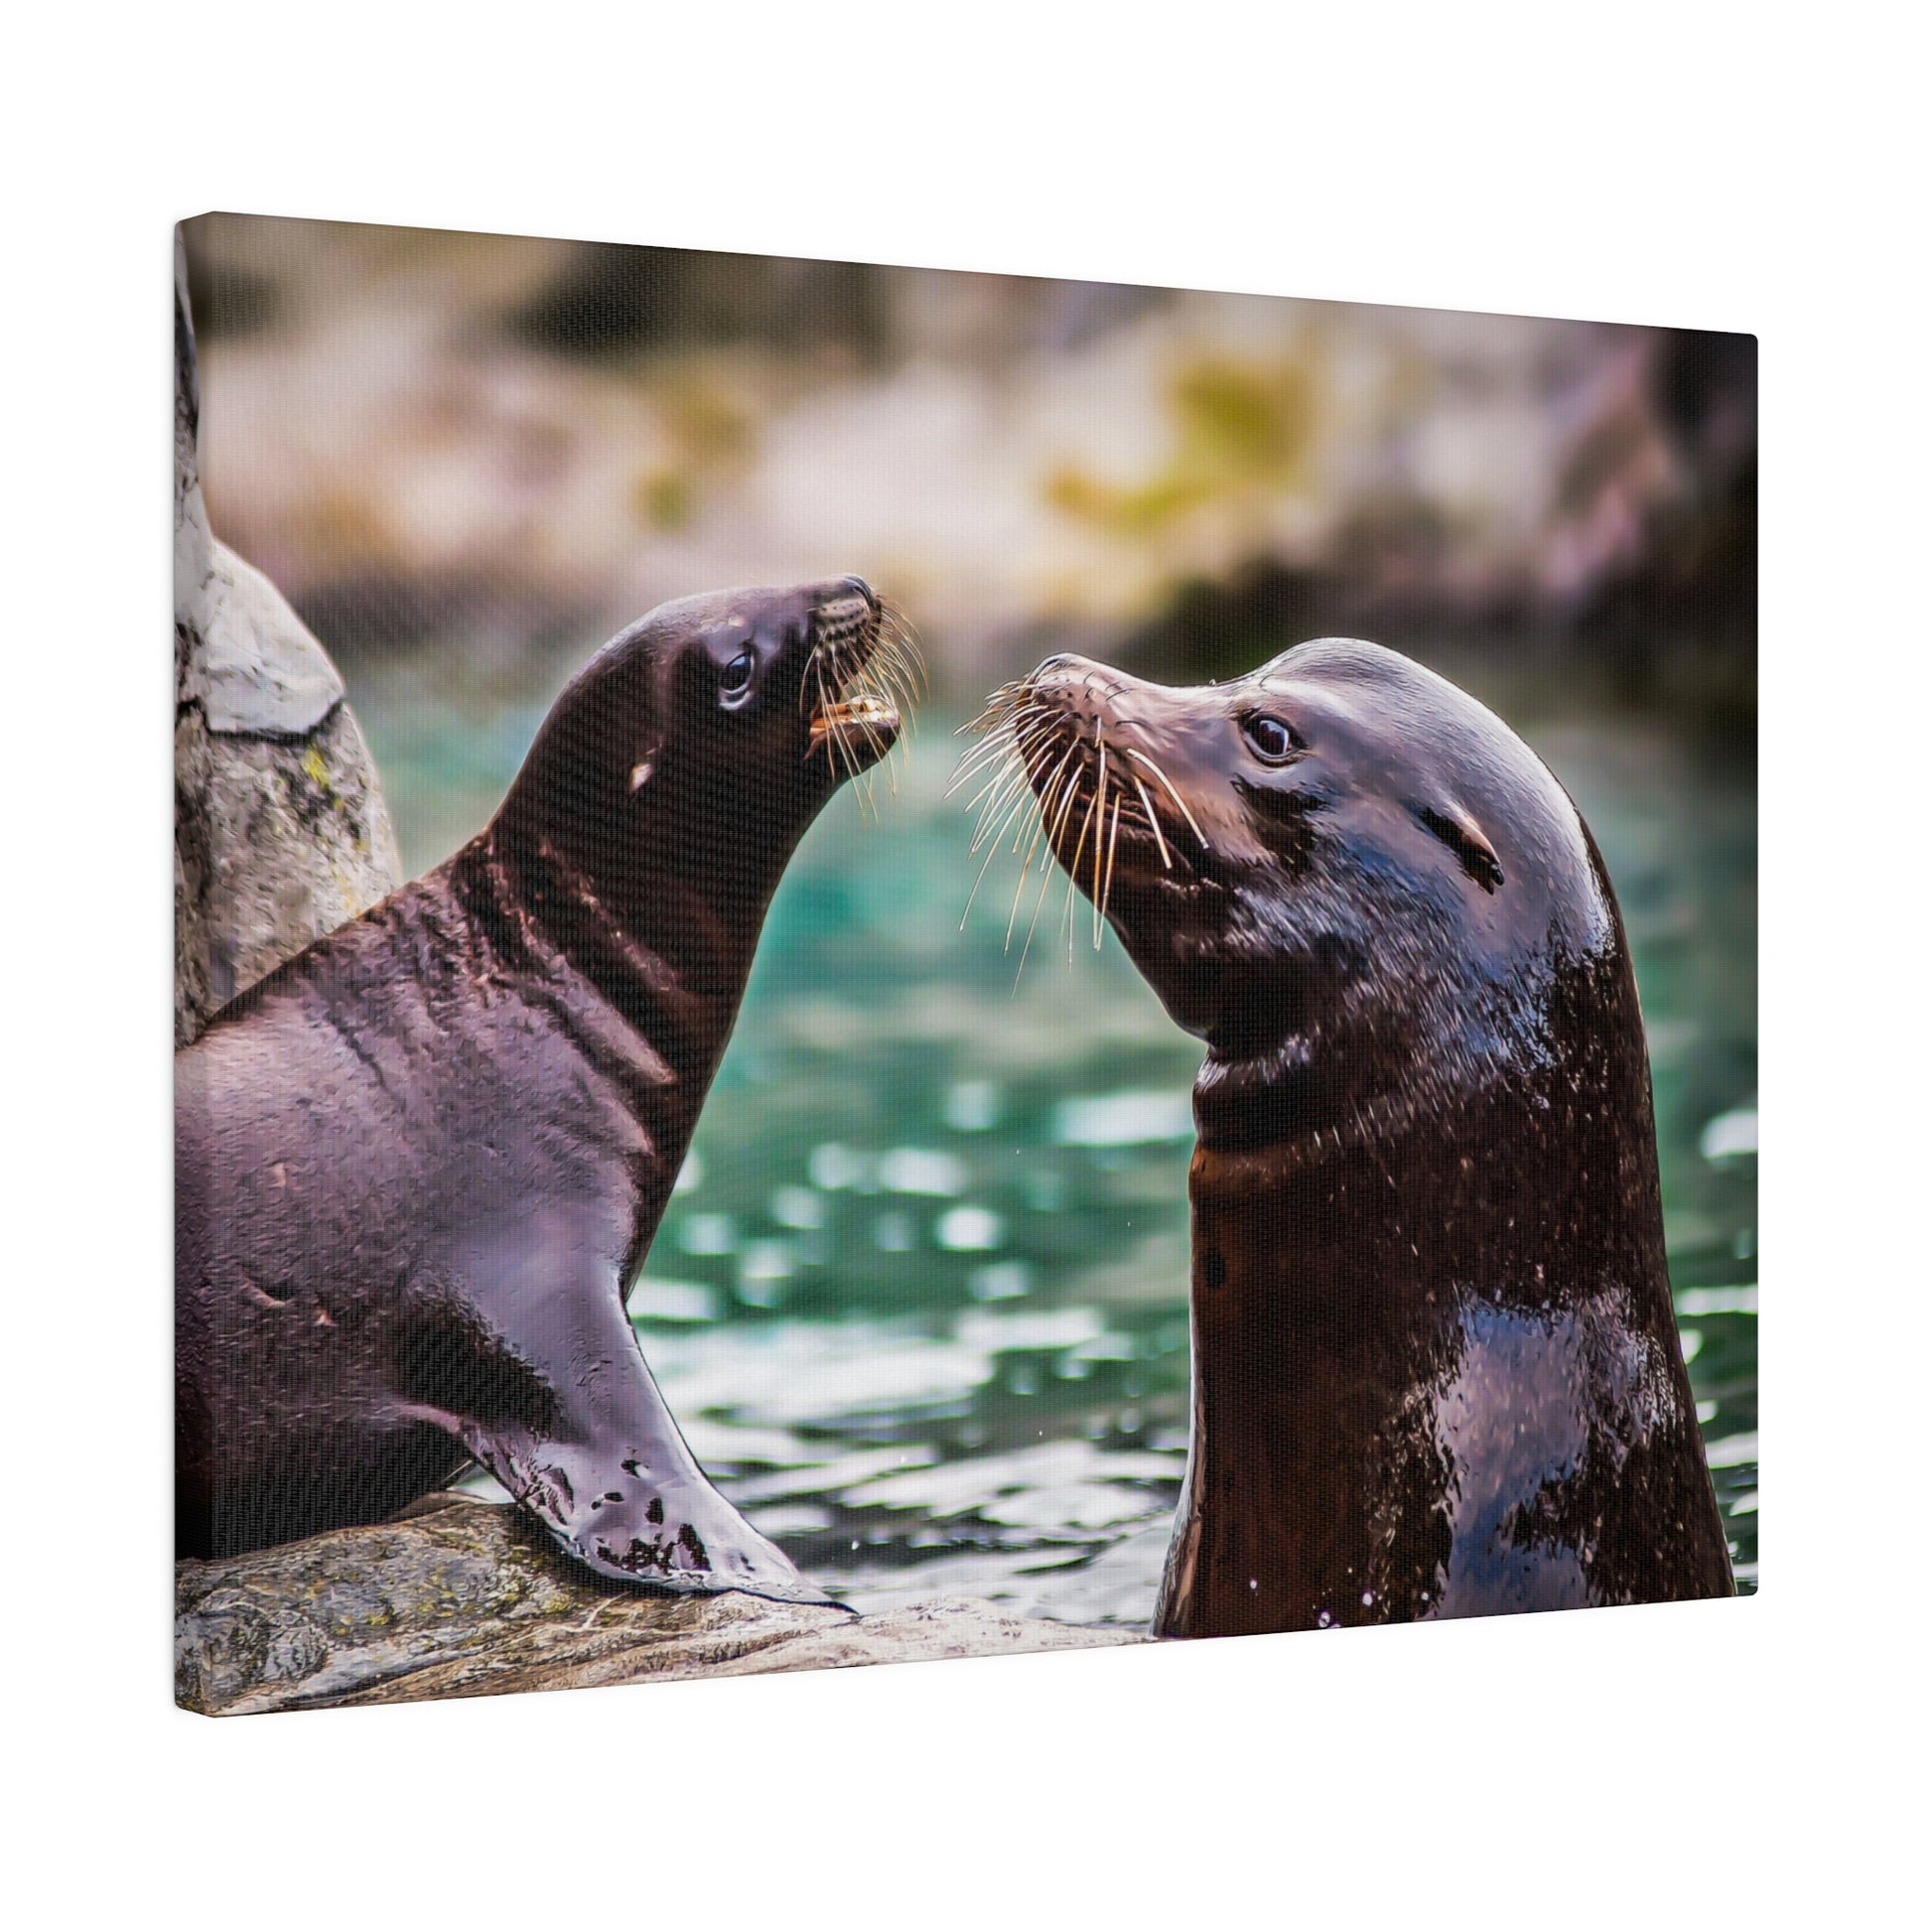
[1335,870]
[700,742]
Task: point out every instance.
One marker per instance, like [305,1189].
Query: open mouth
[865,669]
[863,713]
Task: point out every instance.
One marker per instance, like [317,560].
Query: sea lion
[419,1164]
[1436,1369]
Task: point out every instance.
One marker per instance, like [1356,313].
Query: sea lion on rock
[419,1164]
[1436,1368]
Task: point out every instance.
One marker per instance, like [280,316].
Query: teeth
[854,711]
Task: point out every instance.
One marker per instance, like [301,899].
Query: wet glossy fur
[419,1166]
[1436,1369]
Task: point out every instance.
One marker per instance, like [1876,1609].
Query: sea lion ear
[1458,830]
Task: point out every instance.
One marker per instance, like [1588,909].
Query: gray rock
[462,1598]
[281,833]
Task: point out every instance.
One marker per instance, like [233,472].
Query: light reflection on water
[919,1301]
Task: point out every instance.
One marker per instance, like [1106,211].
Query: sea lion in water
[419,1164]
[1436,1368]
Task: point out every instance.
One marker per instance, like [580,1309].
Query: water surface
[919,1301]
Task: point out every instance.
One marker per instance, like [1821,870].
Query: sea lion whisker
[1030,722]
[997,796]
[987,861]
[1107,891]
[1035,761]
[980,757]
[887,673]
[839,738]
[883,751]
[1025,872]
[1005,730]
[1080,844]
[1000,813]
[1073,873]
[1171,793]
[998,704]
[1025,774]
[1022,762]
[1100,799]
[903,655]
[1040,793]
[989,814]
[1010,787]
[1056,804]
[984,753]
[1045,879]
[984,757]
[899,686]
[830,733]
[1072,798]
[1050,790]
[994,777]
[1012,772]
[897,630]
[1153,822]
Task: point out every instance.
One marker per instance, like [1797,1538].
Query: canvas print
[880,964]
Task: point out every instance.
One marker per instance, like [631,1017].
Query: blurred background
[920,1298]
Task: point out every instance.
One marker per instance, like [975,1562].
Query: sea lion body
[419,1166]
[1436,1368]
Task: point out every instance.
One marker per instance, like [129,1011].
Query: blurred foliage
[1239,428]
[615,301]
[513,439]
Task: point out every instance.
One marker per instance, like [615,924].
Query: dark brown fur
[419,1166]
[1436,1367]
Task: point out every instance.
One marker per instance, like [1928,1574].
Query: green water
[920,1299]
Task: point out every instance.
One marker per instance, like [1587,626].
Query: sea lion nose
[1063,669]
[860,588]
[1073,681]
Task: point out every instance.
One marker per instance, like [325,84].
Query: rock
[462,1598]
[281,833]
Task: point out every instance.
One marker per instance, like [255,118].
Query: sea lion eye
[736,678]
[1273,739]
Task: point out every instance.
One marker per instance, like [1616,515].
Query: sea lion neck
[674,973]
[1463,1129]
[643,836]
[658,834]
[1360,1295]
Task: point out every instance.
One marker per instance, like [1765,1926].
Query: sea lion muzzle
[861,680]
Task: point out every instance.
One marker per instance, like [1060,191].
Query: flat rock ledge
[462,1598]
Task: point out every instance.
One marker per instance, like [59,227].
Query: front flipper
[530,1360]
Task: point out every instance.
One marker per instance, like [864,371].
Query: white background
[1678,164]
